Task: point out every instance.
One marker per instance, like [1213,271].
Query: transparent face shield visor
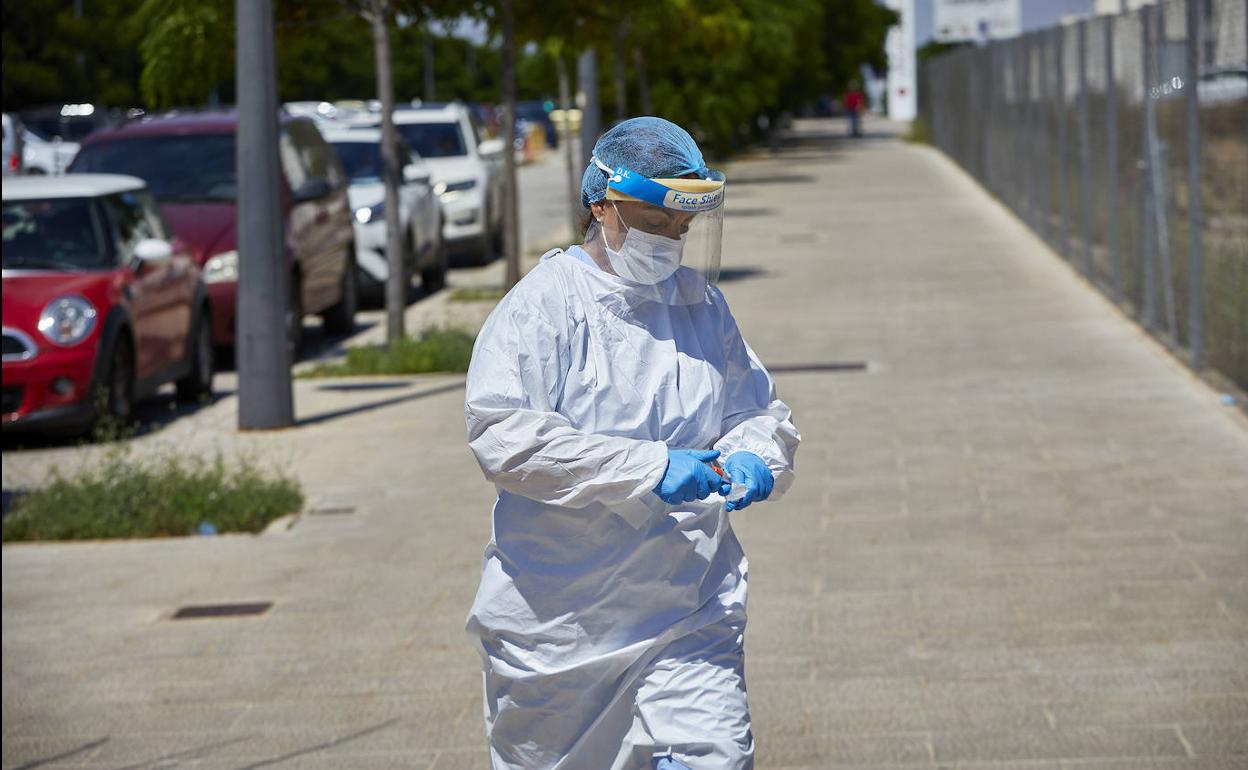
[661,237]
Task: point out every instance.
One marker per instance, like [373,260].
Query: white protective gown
[610,624]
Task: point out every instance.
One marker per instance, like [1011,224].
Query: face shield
[662,237]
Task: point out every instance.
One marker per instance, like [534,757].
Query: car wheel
[197,384]
[340,319]
[114,397]
[294,319]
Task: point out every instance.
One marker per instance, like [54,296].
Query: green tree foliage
[715,66]
[50,56]
[187,50]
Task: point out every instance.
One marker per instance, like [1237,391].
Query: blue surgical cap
[654,147]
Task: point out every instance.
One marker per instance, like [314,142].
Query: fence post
[1113,238]
[1029,142]
[1063,242]
[1195,285]
[1148,220]
[1043,115]
[1085,150]
[1018,125]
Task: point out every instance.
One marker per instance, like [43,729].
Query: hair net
[654,147]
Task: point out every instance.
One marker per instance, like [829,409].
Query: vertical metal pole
[264,392]
[591,111]
[1028,139]
[1148,220]
[1113,237]
[1063,238]
[1085,151]
[511,220]
[1161,193]
[1044,117]
[1195,224]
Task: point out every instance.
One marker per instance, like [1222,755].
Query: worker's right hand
[689,477]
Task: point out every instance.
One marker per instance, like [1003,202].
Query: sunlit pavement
[1019,538]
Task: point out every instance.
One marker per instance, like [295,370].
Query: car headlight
[222,268]
[366,214]
[450,191]
[67,320]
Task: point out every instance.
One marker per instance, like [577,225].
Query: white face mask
[645,258]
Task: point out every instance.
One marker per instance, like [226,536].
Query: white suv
[467,174]
[420,214]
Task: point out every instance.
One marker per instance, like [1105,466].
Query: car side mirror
[312,189]
[415,173]
[151,251]
[491,148]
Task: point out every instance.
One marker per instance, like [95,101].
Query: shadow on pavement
[151,414]
[64,755]
[740,274]
[322,746]
[353,410]
[351,387]
[195,753]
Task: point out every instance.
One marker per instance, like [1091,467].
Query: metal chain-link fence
[1123,141]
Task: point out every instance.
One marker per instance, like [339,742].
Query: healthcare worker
[604,391]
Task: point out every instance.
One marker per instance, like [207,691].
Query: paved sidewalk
[1019,538]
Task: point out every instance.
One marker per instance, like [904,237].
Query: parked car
[70,122]
[12,145]
[188,162]
[46,156]
[1223,85]
[101,306]
[420,212]
[467,174]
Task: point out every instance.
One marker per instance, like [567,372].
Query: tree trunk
[643,85]
[396,278]
[511,234]
[591,109]
[429,72]
[574,189]
[621,80]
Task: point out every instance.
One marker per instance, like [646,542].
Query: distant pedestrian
[854,103]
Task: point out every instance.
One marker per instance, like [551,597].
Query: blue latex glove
[749,469]
[689,478]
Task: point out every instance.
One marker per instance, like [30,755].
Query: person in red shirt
[854,103]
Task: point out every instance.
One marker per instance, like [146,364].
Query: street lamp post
[262,340]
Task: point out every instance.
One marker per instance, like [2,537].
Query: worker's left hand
[749,469]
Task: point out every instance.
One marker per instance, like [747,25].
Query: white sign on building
[958,21]
[902,100]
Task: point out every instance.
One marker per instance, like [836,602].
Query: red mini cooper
[100,307]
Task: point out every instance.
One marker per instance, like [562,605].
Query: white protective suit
[611,624]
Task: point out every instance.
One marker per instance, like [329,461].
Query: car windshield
[177,169]
[52,234]
[361,160]
[434,140]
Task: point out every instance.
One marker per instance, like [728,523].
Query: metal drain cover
[332,510]
[241,609]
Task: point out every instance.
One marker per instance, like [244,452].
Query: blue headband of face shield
[699,197]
